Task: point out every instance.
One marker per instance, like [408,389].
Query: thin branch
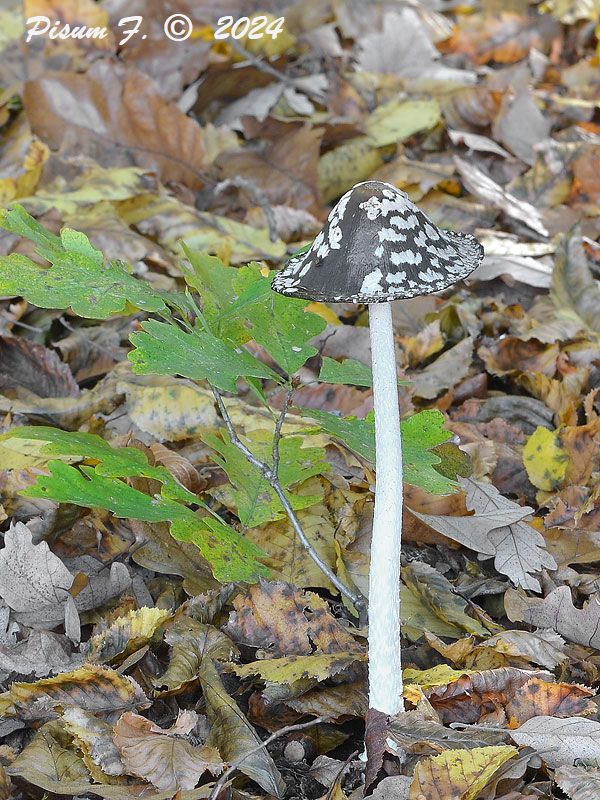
[270,475]
[220,784]
[278,427]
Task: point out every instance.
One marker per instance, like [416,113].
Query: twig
[216,790]
[257,195]
[278,427]
[271,476]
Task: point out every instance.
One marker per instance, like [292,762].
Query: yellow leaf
[127,634]
[170,409]
[458,774]
[417,679]
[327,313]
[545,460]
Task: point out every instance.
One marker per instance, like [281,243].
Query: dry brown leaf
[497,530]
[118,115]
[163,756]
[557,611]
[505,37]
[511,354]
[284,171]
[92,688]
[25,365]
[446,371]
[285,621]
[538,698]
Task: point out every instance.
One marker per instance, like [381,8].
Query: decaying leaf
[578,783]
[561,742]
[462,773]
[163,756]
[192,645]
[557,611]
[497,530]
[285,621]
[92,688]
[233,735]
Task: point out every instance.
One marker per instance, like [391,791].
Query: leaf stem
[270,474]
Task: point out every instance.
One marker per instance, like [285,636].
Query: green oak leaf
[113,462]
[163,349]
[254,499]
[420,433]
[78,277]
[232,557]
[282,325]
[349,372]
[239,305]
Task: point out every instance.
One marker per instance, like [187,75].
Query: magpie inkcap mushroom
[378,246]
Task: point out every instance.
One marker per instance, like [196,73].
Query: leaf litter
[159,617]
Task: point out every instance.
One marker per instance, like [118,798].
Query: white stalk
[385,670]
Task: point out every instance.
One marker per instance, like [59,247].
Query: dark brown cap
[377,246]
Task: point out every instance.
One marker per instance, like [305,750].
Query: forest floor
[133,663]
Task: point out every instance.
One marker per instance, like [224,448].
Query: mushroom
[376,247]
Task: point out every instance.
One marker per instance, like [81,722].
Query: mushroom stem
[385,671]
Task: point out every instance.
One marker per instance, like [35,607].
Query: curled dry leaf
[193,646]
[126,634]
[94,737]
[487,190]
[163,756]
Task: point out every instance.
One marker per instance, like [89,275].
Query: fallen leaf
[497,530]
[458,773]
[94,737]
[285,621]
[487,190]
[234,737]
[163,756]
[64,102]
[170,409]
[92,688]
[573,287]
[561,742]
[125,635]
[557,612]
[193,644]
[538,698]
[32,579]
[544,459]
[48,760]
[578,783]
[445,372]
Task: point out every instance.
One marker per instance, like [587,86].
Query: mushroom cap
[377,246]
